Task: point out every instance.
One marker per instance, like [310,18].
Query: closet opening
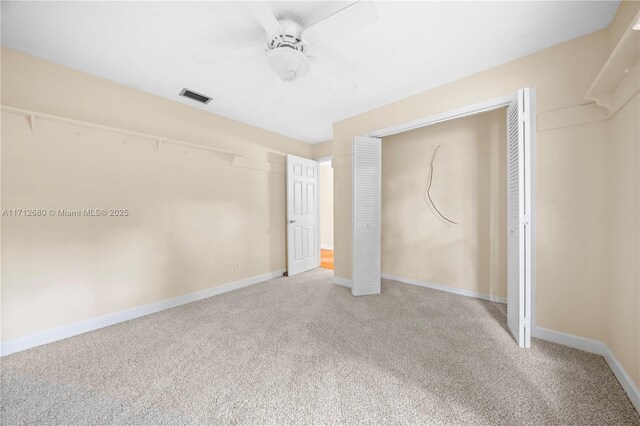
[448,202]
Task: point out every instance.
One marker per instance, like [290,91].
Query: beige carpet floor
[303,350]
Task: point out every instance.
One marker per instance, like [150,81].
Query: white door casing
[367,174]
[303,242]
[520,163]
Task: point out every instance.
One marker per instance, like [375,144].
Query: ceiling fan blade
[354,16]
[261,13]
[226,54]
[336,78]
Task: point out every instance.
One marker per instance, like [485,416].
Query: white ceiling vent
[195,96]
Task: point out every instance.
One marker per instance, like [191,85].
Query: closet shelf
[63,128]
[617,81]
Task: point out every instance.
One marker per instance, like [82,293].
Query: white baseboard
[623,377]
[440,287]
[326,247]
[595,347]
[347,283]
[577,342]
[74,329]
[342,281]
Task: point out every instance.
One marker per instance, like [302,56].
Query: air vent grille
[195,96]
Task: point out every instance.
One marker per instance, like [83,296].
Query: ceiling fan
[288,45]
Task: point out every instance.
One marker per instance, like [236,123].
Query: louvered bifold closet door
[367,171]
[520,138]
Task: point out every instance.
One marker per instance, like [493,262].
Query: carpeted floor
[303,350]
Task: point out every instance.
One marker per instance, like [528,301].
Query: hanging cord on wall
[427,192]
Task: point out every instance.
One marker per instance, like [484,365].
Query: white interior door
[520,151]
[303,242]
[367,170]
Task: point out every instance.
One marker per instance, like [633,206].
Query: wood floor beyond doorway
[326,259]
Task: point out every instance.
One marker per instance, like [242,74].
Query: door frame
[316,208]
[466,111]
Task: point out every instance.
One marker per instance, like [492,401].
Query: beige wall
[623,328]
[32,83]
[323,149]
[326,205]
[192,225]
[561,75]
[468,187]
[571,243]
[573,238]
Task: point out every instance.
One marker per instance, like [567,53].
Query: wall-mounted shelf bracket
[617,81]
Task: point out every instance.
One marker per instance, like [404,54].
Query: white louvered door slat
[367,171]
[520,145]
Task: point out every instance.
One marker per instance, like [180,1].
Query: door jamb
[452,114]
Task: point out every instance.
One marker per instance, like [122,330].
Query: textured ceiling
[414,46]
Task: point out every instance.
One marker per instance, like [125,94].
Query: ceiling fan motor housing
[286,57]
[290,36]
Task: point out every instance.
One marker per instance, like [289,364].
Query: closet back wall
[469,187]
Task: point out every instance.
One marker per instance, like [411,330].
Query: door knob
[292,221]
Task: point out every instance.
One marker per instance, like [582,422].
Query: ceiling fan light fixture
[287,63]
